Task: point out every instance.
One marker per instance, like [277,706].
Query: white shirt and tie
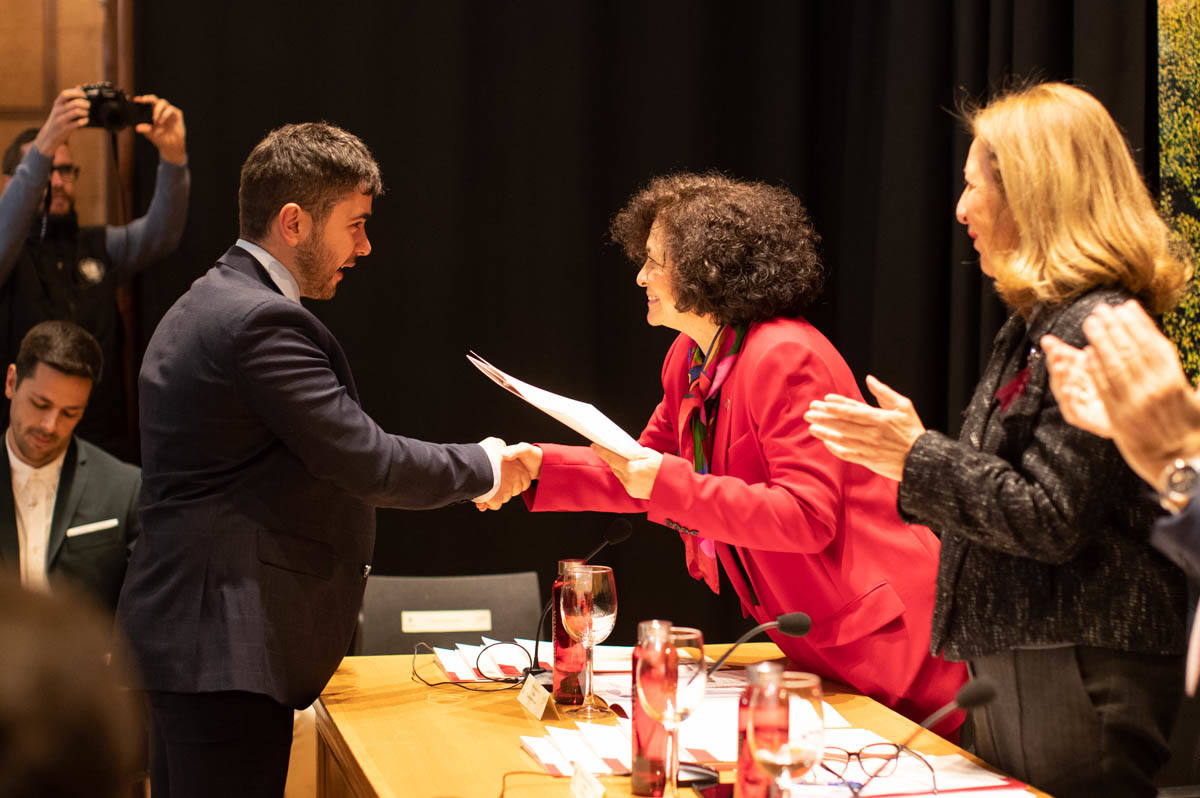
[34,491]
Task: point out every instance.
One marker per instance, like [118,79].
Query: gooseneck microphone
[975,693]
[792,624]
[618,532]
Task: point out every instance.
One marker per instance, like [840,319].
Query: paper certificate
[579,416]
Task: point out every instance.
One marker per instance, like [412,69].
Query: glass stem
[671,762]
[587,674]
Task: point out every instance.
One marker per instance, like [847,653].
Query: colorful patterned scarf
[700,406]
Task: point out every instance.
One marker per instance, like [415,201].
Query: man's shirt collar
[279,274]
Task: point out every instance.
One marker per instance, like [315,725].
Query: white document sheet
[579,416]
[610,743]
[605,659]
[575,749]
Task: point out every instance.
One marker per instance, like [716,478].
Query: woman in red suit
[728,461]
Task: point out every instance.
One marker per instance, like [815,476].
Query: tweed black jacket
[1044,527]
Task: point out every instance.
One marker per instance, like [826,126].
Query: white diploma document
[579,416]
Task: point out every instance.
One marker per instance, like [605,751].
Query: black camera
[112,110]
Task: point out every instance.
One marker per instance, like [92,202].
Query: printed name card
[536,699]
[585,785]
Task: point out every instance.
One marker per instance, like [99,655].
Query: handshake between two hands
[521,463]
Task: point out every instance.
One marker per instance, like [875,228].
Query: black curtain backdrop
[509,134]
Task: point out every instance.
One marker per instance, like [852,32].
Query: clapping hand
[1127,385]
[876,437]
[1072,384]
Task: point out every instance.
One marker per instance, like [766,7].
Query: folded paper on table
[576,749]
[604,750]
[508,659]
[611,743]
[709,737]
[579,416]
[955,775]
[605,659]
[501,661]
[545,754]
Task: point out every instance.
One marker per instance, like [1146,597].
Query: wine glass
[785,729]
[589,612]
[671,685]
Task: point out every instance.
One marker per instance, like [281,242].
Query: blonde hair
[1083,215]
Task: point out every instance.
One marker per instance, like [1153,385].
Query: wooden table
[383,734]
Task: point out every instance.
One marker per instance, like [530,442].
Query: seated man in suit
[72,513]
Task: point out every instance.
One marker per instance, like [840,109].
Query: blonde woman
[1046,583]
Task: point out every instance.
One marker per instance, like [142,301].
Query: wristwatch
[1180,478]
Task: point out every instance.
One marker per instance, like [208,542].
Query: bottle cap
[564,564]
[764,673]
[655,631]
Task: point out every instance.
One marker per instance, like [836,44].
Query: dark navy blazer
[261,474]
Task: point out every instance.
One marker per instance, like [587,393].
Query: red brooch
[1014,388]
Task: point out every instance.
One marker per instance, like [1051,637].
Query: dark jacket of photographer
[71,273]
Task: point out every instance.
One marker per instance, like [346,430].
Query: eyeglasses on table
[874,760]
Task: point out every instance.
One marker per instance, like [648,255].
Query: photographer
[51,268]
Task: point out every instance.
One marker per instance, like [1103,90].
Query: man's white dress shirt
[34,491]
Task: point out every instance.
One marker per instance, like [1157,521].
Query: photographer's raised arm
[155,235]
[26,186]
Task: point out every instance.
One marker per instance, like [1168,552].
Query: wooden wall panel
[80,38]
[49,45]
[21,40]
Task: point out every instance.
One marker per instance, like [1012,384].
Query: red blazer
[811,532]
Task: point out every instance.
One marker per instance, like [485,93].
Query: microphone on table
[975,693]
[792,624]
[618,532]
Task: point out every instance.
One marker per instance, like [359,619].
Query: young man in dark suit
[71,515]
[261,476]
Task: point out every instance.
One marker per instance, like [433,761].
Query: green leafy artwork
[1179,158]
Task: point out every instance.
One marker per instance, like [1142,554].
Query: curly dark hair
[741,251]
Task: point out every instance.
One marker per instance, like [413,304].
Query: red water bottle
[649,736]
[568,654]
[752,781]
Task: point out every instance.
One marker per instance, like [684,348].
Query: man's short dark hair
[13,155]
[63,346]
[313,164]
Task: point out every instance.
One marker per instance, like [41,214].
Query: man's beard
[62,196]
[311,257]
[30,453]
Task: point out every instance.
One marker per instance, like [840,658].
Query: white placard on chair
[427,621]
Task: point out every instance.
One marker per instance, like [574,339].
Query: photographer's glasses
[877,759]
[67,172]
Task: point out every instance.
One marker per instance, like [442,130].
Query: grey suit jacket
[261,474]
[1044,527]
[94,488]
